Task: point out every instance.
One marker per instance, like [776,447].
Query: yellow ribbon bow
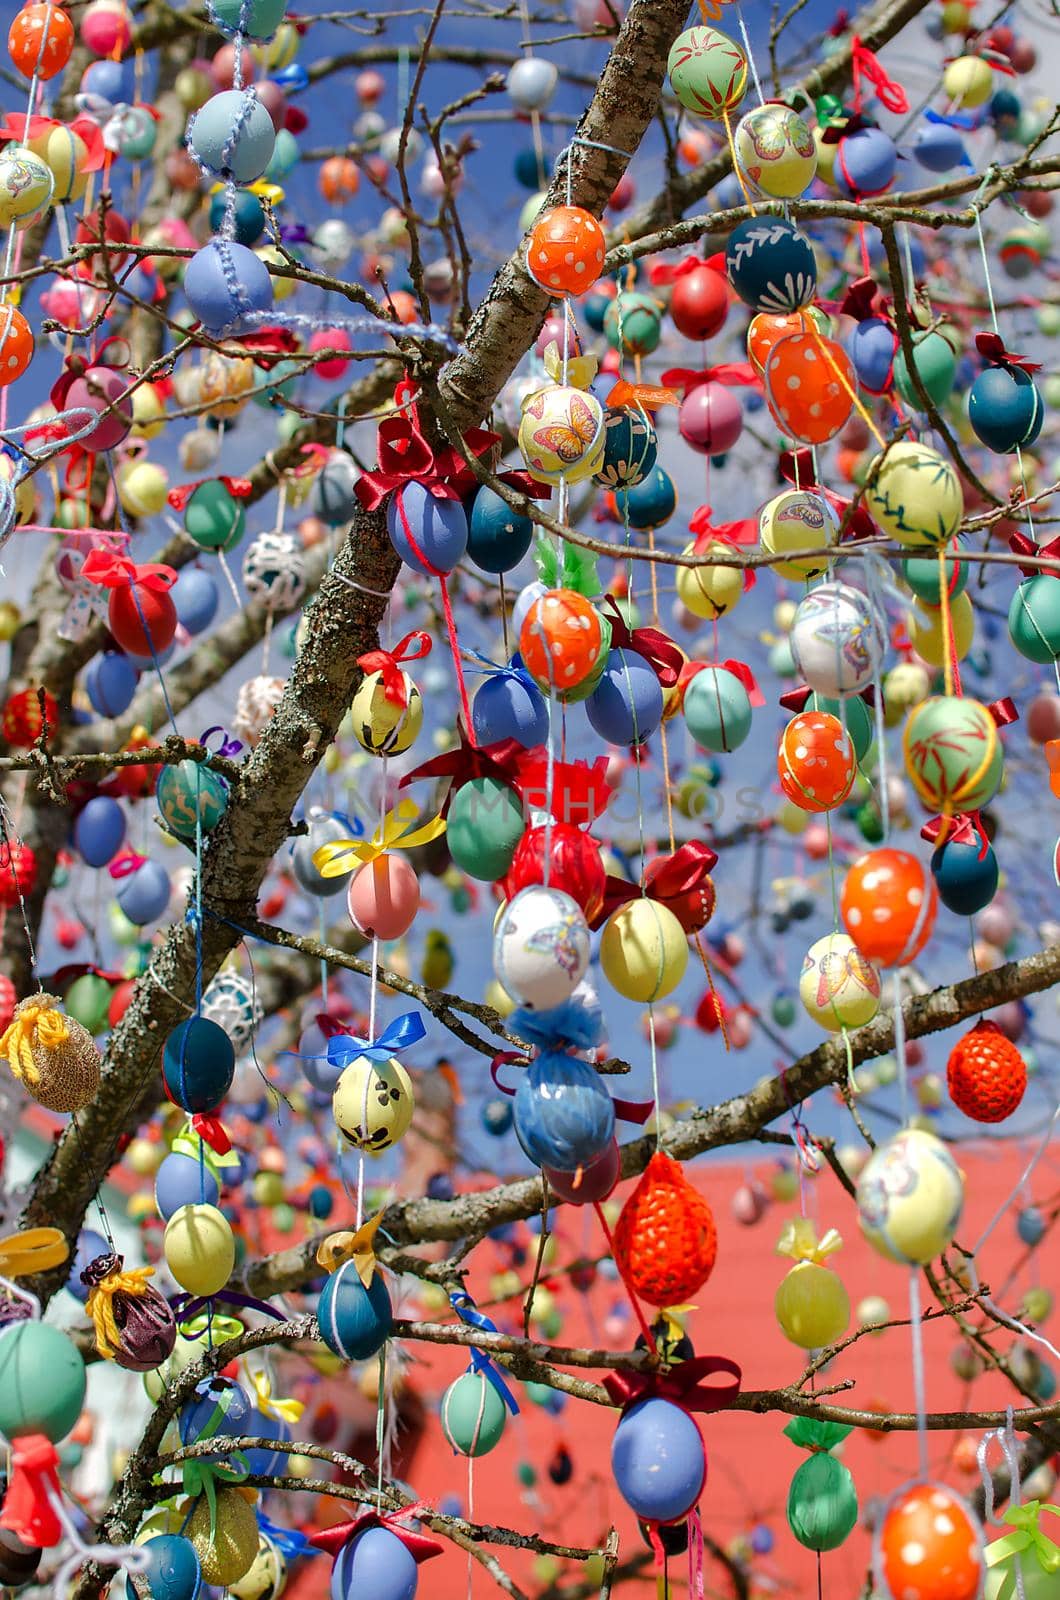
[396,833]
[581,370]
[290,1410]
[37,1022]
[799,1241]
[1026,1537]
[357,1247]
[32,1250]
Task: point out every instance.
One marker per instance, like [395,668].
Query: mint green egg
[717,709]
[213,518]
[486,823]
[937,365]
[921,573]
[1034,619]
[42,1381]
[473,1415]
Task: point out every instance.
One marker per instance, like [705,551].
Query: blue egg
[658,1460]
[1005,409]
[196,596]
[263,1425]
[530,172]
[771,265]
[865,163]
[110,683]
[183,1181]
[649,503]
[965,883]
[232,136]
[564,1116]
[1005,111]
[152,663]
[438,527]
[90,1244]
[227,287]
[334,496]
[497,1116]
[938,147]
[144,894]
[626,706]
[1045,1385]
[221,1407]
[509,705]
[248,215]
[99,831]
[728,193]
[285,157]
[172,1572]
[498,535]
[594,307]
[871,348]
[354,1321]
[761,1539]
[111,79]
[321,1201]
[374,1562]
[198,1064]
[630,449]
[1031,1225]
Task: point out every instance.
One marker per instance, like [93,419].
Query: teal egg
[633,323]
[935,362]
[285,157]
[259,20]
[213,518]
[921,573]
[717,709]
[42,1381]
[190,797]
[650,502]
[473,1415]
[485,824]
[1034,619]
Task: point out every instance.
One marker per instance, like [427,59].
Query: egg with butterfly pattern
[771,265]
[798,519]
[562,434]
[775,151]
[839,988]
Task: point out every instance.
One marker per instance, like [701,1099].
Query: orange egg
[560,640]
[888,903]
[809,386]
[929,1546]
[816,762]
[565,251]
[16,344]
[40,40]
[339,178]
[768,328]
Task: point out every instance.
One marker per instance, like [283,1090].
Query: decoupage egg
[26,186]
[541,947]
[771,265]
[910,1197]
[775,151]
[473,1415]
[42,1381]
[798,519]
[355,1321]
[381,726]
[373,1104]
[929,1544]
[811,1305]
[929,637]
[707,71]
[816,763]
[199,1248]
[486,821]
[838,987]
[888,903]
[224,1535]
[564,1116]
[561,640]
[953,754]
[837,639]
[191,798]
[658,1460]
[561,434]
[1005,409]
[717,709]
[430,535]
[630,448]
[383,897]
[643,950]
[565,251]
[915,495]
[708,591]
[1034,619]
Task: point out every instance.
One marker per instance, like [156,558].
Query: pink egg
[1043,718]
[274,100]
[552,333]
[105,29]
[330,339]
[370,87]
[383,897]
[748,1204]
[996,925]
[815,841]
[1010,1019]
[740,1026]
[590,1184]
[710,418]
[223,67]
[99,388]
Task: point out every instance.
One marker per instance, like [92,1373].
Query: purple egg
[430,535]
[227,287]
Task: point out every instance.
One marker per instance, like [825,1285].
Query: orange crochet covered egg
[665,1240]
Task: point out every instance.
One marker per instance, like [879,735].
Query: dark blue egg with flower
[626,706]
[564,1117]
[771,265]
[198,1064]
[630,448]
[110,683]
[872,348]
[430,535]
[509,705]
[498,535]
[966,881]
[649,503]
[1005,409]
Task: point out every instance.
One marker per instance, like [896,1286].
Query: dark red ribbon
[419,1545]
[864,299]
[680,874]
[412,647]
[867,64]
[739,669]
[1003,712]
[406,457]
[797,699]
[468,762]
[734,374]
[28,1512]
[664,272]
[964,828]
[991,347]
[683,1385]
[118,572]
[1023,545]
[656,647]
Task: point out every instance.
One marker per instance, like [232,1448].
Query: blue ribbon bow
[464,1307]
[288,1541]
[490,669]
[401,1034]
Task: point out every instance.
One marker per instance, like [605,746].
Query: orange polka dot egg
[810,384]
[816,762]
[929,1546]
[565,252]
[561,640]
[888,904]
[767,328]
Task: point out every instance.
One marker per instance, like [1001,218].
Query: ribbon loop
[401,1034]
[683,1384]
[481,1362]
[867,64]
[412,647]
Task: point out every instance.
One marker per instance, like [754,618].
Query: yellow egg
[227,1552]
[373,1104]
[904,686]
[140,1207]
[10,619]
[926,631]
[915,495]
[872,1312]
[910,1197]
[142,488]
[797,520]
[793,819]
[812,1306]
[826,154]
[305,1466]
[643,950]
[149,411]
[200,1249]
[380,726]
[969,81]
[25,493]
[838,987]
[281,49]
[282,287]
[65,152]
[775,151]
[709,592]
[498,997]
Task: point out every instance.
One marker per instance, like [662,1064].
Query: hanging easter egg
[822,1506]
[181,1181]
[274,571]
[383,897]
[910,1197]
[541,947]
[873,346]
[531,82]
[217,1405]
[16,344]
[810,385]
[40,40]
[568,857]
[172,1568]
[28,714]
[213,517]
[198,1064]
[771,265]
[939,147]
[888,903]
[248,219]
[838,987]
[66,153]
[254,19]
[1023,249]
[485,823]
[931,639]
[498,535]
[1034,1564]
[227,288]
[374,1561]
[837,639]
[1034,619]
[816,763]
[626,706]
[321,829]
[509,705]
[99,831]
[26,186]
[936,364]
[705,590]
[561,640]
[929,1543]
[58,1062]
[473,1415]
[710,418]
[590,1184]
[768,328]
[853,713]
[865,163]
[199,1248]
[564,1116]
[643,950]
[966,876]
[42,1381]
[798,519]
[355,1321]
[190,798]
[232,136]
[649,503]
[633,323]
[915,496]
[775,151]
[87,1001]
[812,1306]
[921,573]
[968,82]
[224,1535]
[953,754]
[717,709]
[1005,409]
[565,251]
[196,598]
[699,300]
[707,71]
[666,1243]
[658,1460]
[373,1104]
[267,1425]
[985,1074]
[383,726]
[630,448]
[561,434]
[18,872]
[266,1577]
[429,534]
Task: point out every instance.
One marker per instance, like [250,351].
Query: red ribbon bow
[580,791]
[113,352]
[656,647]
[864,299]
[734,534]
[238,488]
[212,1131]
[964,828]
[867,64]
[126,864]
[734,374]
[419,1545]
[1023,545]
[23,129]
[468,762]
[796,699]
[28,1511]
[118,572]
[739,669]
[674,877]
[682,1384]
[664,272]
[406,457]
[412,647]
[991,347]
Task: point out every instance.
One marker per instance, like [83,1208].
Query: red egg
[699,302]
[223,67]
[8,1002]
[142,621]
[589,1184]
[24,720]
[383,897]
[710,418]
[120,999]
[574,865]
[330,339]
[18,872]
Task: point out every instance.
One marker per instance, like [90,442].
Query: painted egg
[837,639]
[630,448]
[42,1381]
[709,592]
[838,987]
[643,950]
[710,418]
[633,323]
[541,947]
[561,640]
[383,897]
[382,726]
[1034,619]
[888,903]
[769,327]
[658,1460]
[915,496]
[232,136]
[855,716]
[771,265]
[561,434]
[966,876]
[776,151]
[699,300]
[968,82]
[373,1104]
[26,186]
[810,385]
[798,519]
[925,577]
[473,1415]
[430,535]
[200,1248]
[486,821]
[717,709]
[816,763]
[953,754]
[708,72]
[266,1577]
[811,1305]
[498,536]
[1005,409]
[649,503]
[191,798]
[16,344]
[910,1197]
[626,706]
[929,636]
[928,1546]
[227,287]
[40,40]
[565,251]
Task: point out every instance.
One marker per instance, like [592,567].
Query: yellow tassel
[37,1022]
[100,1305]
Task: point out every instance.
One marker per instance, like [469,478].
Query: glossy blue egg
[232,136]
[374,1563]
[227,288]
[865,163]
[771,265]
[965,883]
[248,215]
[509,705]
[183,1181]
[90,1244]
[626,706]
[144,894]
[220,1407]
[263,1425]
[498,535]
[1031,1225]
[110,683]
[872,347]
[593,307]
[564,1116]
[658,1460]
[198,1064]
[354,1321]
[196,596]
[649,503]
[938,147]
[172,1572]
[430,535]
[630,448]
[99,831]
[1005,409]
